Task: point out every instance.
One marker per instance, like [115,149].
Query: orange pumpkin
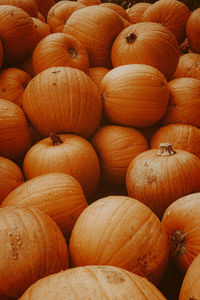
[136,11]
[41,17]
[10,177]
[93,282]
[181,223]
[28,6]
[64,153]
[83,24]
[60,50]
[14,132]
[1,54]
[146,43]
[117,8]
[184,104]
[42,29]
[120,236]
[13,81]
[33,247]
[63,99]
[157,177]
[193,30]
[89,2]
[181,136]
[116,147]
[97,74]
[17,34]
[134,95]
[57,194]
[188,66]
[172,14]
[44,6]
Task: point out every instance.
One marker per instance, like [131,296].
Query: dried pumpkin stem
[178,242]
[130,38]
[56,140]
[165,149]
[72,52]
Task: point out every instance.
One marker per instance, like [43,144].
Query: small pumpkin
[28,6]
[42,29]
[158,177]
[193,30]
[136,11]
[188,66]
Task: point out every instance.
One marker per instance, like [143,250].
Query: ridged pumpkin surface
[136,11]
[188,66]
[28,6]
[42,29]
[193,30]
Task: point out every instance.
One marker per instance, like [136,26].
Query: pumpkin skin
[41,17]
[97,74]
[139,44]
[14,132]
[188,66]
[44,6]
[136,11]
[190,288]
[1,54]
[42,29]
[83,23]
[181,136]
[193,30]
[59,14]
[181,223]
[116,147]
[63,99]
[184,104]
[28,6]
[170,13]
[10,177]
[94,282]
[17,34]
[13,81]
[158,177]
[57,194]
[119,223]
[89,2]
[64,153]
[117,8]
[34,247]
[69,53]
[134,95]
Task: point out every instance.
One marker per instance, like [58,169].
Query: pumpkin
[89,2]
[136,11]
[134,95]
[184,102]
[59,14]
[60,50]
[93,282]
[44,6]
[158,177]
[1,54]
[120,236]
[116,147]
[83,24]
[41,17]
[14,132]
[64,153]
[13,81]
[181,223]
[97,74]
[28,6]
[184,47]
[146,43]
[10,177]
[188,66]
[172,14]
[42,29]
[17,34]
[117,8]
[33,247]
[193,30]
[190,288]
[57,194]
[181,136]
[63,99]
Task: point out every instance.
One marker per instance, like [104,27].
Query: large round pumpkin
[188,66]
[63,99]
[134,95]
[193,30]
[93,282]
[157,177]
[124,233]
[32,248]
[28,6]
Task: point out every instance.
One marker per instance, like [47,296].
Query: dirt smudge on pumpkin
[113,277]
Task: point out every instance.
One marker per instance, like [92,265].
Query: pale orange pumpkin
[181,224]
[14,132]
[63,99]
[188,66]
[120,236]
[193,30]
[13,81]
[136,11]
[28,6]
[116,146]
[97,74]
[158,177]
[17,34]
[134,95]
[33,247]
[57,194]
[93,282]
[10,177]
[42,29]
[146,43]
[64,153]
[59,50]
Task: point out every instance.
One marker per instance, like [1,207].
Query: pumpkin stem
[72,52]
[56,140]
[165,149]
[178,242]
[130,38]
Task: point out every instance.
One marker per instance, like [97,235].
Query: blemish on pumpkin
[130,38]
[54,72]
[3,90]
[54,83]
[72,52]
[151,179]
[178,242]
[193,298]
[113,277]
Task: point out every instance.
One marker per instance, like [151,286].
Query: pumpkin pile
[99,150]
